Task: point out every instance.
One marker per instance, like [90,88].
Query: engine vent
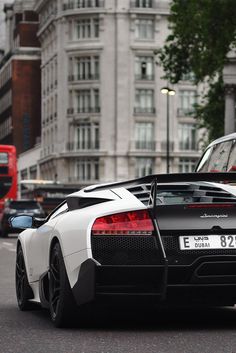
[183,193]
[142,192]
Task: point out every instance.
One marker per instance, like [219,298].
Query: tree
[202,32]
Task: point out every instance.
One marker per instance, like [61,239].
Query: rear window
[24,205]
[3,158]
[216,158]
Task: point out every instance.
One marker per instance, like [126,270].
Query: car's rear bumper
[209,280]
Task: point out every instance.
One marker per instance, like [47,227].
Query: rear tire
[23,289]
[61,301]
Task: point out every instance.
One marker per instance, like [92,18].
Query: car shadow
[161,319]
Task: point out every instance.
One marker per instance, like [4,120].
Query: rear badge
[214,216]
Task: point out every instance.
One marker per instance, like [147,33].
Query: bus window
[3,158]
[8,174]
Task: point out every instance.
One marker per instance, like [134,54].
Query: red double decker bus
[8,174]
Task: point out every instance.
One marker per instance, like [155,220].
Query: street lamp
[169,92]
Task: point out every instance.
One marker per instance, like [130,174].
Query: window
[144,68]
[186,102]
[232,158]
[60,210]
[144,28]
[188,77]
[87,136]
[204,162]
[3,158]
[88,3]
[142,3]
[88,28]
[187,137]
[24,174]
[144,101]
[187,165]
[144,136]
[88,101]
[87,169]
[219,157]
[33,172]
[144,166]
[87,68]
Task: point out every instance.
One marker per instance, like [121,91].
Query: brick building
[20,78]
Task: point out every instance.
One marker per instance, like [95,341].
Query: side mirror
[21,222]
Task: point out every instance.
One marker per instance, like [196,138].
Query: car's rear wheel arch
[54,241]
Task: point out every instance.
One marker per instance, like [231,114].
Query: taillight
[126,223]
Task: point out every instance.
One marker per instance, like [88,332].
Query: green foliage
[210,115]
[201,34]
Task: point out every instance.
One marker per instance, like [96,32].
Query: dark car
[14,208]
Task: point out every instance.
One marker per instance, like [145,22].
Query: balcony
[145,145]
[87,146]
[83,110]
[188,146]
[185,112]
[83,4]
[90,77]
[147,110]
[88,110]
[144,77]
[141,4]
[164,146]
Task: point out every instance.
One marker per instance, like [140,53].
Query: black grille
[125,250]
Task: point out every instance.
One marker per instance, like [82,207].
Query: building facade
[20,78]
[103,115]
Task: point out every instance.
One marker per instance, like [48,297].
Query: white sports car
[167,237]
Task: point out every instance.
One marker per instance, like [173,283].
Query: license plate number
[202,242]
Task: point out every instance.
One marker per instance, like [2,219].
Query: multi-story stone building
[20,77]
[103,115]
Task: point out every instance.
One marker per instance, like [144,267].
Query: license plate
[203,242]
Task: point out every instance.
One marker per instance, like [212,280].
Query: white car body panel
[73,231]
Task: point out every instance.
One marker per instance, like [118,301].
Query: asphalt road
[165,331]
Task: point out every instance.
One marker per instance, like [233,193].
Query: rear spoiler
[167,178]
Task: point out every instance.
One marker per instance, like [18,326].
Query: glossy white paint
[73,231]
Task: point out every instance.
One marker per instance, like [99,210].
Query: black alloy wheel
[55,283]
[61,301]
[23,290]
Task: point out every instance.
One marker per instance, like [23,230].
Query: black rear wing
[167,178]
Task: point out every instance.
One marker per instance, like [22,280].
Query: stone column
[229,109]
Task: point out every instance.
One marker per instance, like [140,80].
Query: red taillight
[127,223]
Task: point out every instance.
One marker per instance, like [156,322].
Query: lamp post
[169,92]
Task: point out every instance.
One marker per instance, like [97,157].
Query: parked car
[219,156]
[13,208]
[159,239]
